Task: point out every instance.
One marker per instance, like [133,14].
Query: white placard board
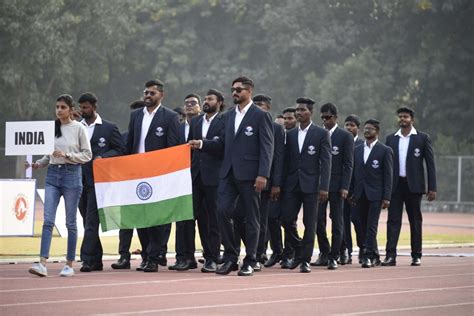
[17,202]
[29,138]
[60,221]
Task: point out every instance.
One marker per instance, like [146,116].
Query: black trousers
[412,203]
[336,214]
[228,191]
[369,212]
[91,248]
[351,215]
[274,231]
[154,241]
[292,202]
[126,235]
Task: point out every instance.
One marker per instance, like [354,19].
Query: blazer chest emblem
[311,150]
[101,142]
[248,131]
[159,131]
[375,164]
[417,152]
[335,150]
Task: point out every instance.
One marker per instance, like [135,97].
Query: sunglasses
[238,89]
[326,117]
[150,93]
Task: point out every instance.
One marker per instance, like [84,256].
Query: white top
[73,142]
[355,138]
[186,130]
[403,144]
[146,122]
[302,135]
[239,116]
[90,128]
[332,130]
[368,149]
[206,124]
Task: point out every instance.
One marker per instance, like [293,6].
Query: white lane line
[282,286]
[414,308]
[166,310]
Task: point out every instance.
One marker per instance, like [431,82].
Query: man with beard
[205,168]
[342,153]
[106,141]
[248,151]
[186,230]
[411,148]
[289,117]
[151,128]
[308,169]
[371,188]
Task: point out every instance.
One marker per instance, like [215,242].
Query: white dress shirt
[403,144]
[302,135]
[355,138]
[90,128]
[206,124]
[186,130]
[146,122]
[368,149]
[239,116]
[332,130]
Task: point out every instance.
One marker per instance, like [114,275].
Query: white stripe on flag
[164,187]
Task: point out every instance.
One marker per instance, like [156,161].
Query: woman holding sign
[64,178]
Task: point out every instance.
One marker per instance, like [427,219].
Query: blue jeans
[66,181]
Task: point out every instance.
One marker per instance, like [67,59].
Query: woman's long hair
[66,98]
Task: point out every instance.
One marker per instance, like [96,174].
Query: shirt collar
[145,111]
[412,132]
[306,129]
[211,118]
[371,145]
[332,129]
[355,138]
[98,120]
[244,110]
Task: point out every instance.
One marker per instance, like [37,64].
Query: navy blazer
[162,133]
[206,164]
[375,176]
[276,174]
[342,151]
[419,149]
[312,167]
[249,152]
[106,141]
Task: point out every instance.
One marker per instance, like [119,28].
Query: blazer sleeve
[130,135]
[388,174]
[173,131]
[430,165]
[278,157]
[266,145]
[117,146]
[325,158]
[348,163]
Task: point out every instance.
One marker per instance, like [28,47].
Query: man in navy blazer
[308,170]
[248,152]
[151,128]
[342,154]
[106,141]
[411,148]
[371,188]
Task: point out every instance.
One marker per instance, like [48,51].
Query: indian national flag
[144,190]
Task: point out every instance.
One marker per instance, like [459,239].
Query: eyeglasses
[238,89]
[190,103]
[326,117]
[151,93]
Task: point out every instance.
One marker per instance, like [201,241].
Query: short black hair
[406,109]
[88,97]
[155,82]
[329,107]
[373,122]
[354,119]
[217,93]
[262,98]
[137,104]
[179,110]
[289,110]
[193,95]
[244,80]
[308,101]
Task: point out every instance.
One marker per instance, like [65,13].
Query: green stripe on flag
[146,215]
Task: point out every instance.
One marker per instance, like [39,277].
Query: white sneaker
[39,270]
[67,271]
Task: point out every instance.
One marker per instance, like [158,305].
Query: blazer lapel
[246,119]
[155,120]
[307,139]
[373,153]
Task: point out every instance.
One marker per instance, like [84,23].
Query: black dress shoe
[376,262]
[263,258]
[220,259]
[122,263]
[162,260]
[294,263]
[389,262]
[285,263]
[349,260]
[186,265]
[322,260]
[175,265]
[332,264]
[85,267]
[274,259]
[227,268]
[142,266]
[246,270]
[151,267]
[202,260]
[304,267]
[366,263]
[415,262]
[257,267]
[209,266]
[343,258]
